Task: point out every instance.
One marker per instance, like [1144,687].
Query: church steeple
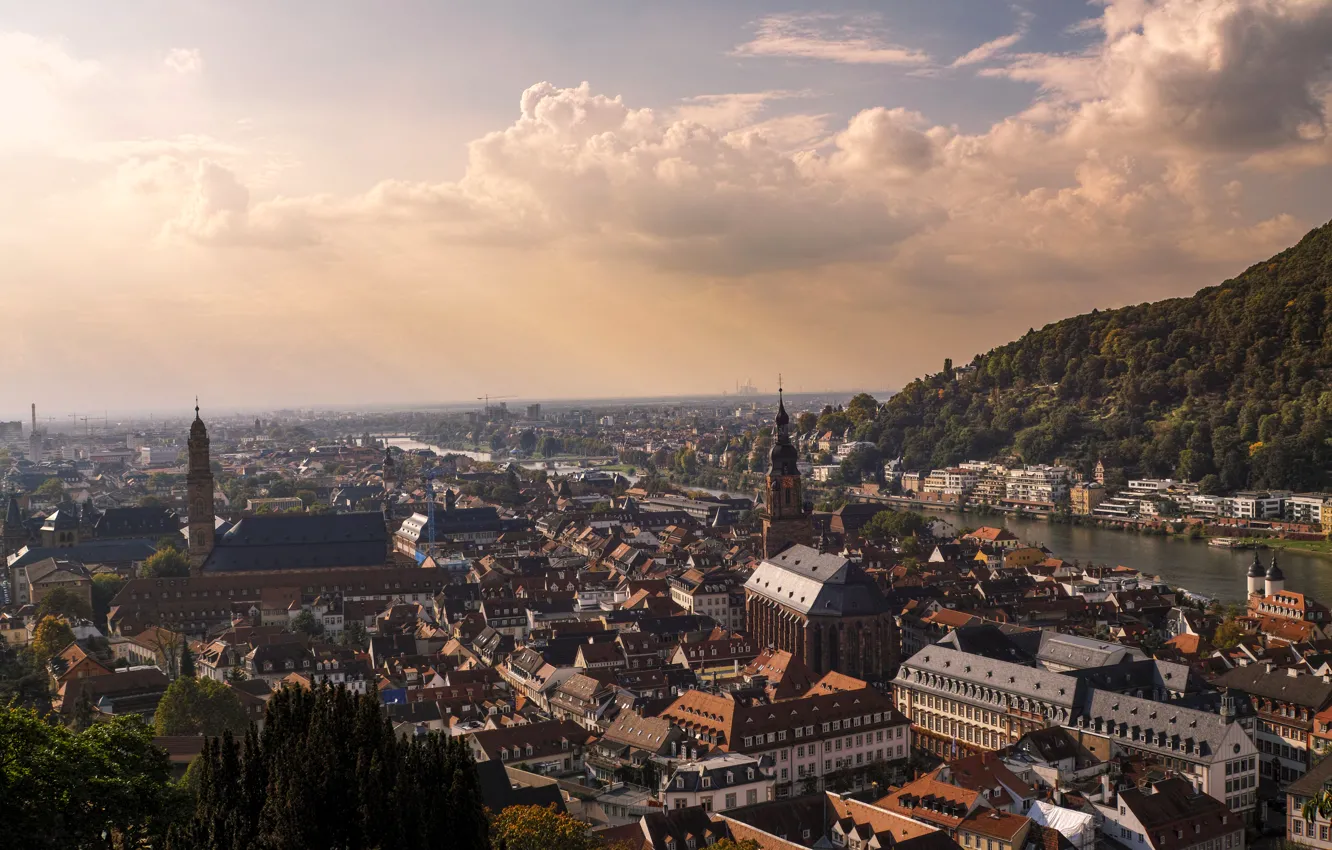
[785,520]
[199,483]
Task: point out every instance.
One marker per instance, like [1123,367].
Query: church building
[277,542]
[818,606]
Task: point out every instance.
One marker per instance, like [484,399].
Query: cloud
[217,211]
[1131,174]
[184,61]
[729,111]
[1204,76]
[40,81]
[829,38]
[987,51]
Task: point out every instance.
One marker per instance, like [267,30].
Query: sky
[305,203]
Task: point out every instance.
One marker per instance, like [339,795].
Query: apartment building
[1254,505]
[955,480]
[1286,702]
[961,704]
[811,740]
[1044,484]
[721,782]
[1306,508]
[1169,815]
[1214,752]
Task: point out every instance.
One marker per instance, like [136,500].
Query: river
[1190,564]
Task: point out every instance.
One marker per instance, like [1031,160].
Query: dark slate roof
[136,522]
[92,552]
[1312,783]
[1304,690]
[498,793]
[301,541]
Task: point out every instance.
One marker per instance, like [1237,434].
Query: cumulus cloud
[217,211]
[1206,76]
[184,60]
[830,38]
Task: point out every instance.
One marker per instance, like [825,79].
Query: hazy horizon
[273,205]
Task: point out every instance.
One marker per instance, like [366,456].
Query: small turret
[1276,580]
[1256,573]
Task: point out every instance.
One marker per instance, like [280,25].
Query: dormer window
[679,782]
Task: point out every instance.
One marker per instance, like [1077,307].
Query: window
[730,801]
[707,782]
[679,782]
[751,797]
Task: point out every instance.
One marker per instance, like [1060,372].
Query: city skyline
[295,208]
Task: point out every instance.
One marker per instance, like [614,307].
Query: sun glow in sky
[298,203]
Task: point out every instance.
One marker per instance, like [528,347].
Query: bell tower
[785,520]
[199,482]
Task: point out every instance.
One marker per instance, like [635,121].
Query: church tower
[785,520]
[199,482]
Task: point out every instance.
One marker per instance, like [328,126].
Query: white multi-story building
[724,781]
[1199,505]
[1254,505]
[1048,484]
[954,480]
[1305,508]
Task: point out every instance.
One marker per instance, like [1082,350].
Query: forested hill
[1234,382]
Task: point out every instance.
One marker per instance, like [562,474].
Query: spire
[1256,568]
[196,407]
[1274,572]
[783,418]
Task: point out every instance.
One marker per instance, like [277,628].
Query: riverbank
[1321,548]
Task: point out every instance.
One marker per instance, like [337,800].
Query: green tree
[805,422]
[328,771]
[539,828]
[307,497]
[861,407]
[105,586]
[1228,634]
[63,602]
[354,634]
[106,786]
[166,563]
[51,636]
[193,706]
[307,624]
[187,667]
[51,490]
[895,525]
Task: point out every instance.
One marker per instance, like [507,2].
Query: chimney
[1292,672]
[34,417]
[1267,665]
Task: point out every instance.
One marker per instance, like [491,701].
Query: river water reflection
[1191,564]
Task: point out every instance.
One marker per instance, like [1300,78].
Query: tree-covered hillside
[1234,382]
